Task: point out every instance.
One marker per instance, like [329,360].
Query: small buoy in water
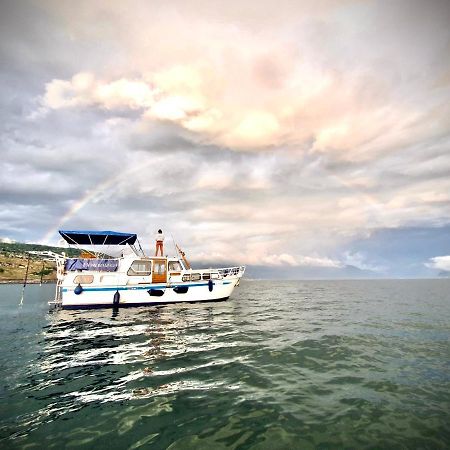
[78,290]
[116,298]
[210,285]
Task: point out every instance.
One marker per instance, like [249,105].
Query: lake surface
[281,365]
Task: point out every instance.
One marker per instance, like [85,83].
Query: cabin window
[174,266]
[186,277]
[83,279]
[159,268]
[108,279]
[140,268]
[215,276]
[195,277]
[206,276]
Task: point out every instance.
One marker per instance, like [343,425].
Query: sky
[304,138]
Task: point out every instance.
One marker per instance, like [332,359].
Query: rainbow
[109,184]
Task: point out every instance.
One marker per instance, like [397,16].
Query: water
[282,365]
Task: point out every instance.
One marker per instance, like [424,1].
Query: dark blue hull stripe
[132,305]
[137,288]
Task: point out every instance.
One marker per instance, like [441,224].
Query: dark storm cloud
[45,159]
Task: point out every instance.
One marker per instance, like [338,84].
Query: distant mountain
[22,248]
[14,262]
[296,272]
[14,268]
[312,273]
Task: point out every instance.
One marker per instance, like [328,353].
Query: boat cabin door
[159,272]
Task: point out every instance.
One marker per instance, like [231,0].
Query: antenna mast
[183,257]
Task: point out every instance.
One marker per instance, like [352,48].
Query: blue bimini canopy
[98,237]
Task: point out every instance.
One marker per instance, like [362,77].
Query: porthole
[83,279]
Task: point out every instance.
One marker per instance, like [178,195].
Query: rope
[25,280]
[42,274]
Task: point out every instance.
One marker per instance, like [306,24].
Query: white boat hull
[146,294]
[133,279]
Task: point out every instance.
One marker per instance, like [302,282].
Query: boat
[97,280]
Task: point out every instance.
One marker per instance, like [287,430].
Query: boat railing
[59,260]
[231,271]
[48,255]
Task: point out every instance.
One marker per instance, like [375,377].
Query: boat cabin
[132,267]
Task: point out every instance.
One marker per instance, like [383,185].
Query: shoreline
[15,281]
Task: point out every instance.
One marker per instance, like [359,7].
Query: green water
[282,365]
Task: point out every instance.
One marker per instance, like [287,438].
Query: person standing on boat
[159,238]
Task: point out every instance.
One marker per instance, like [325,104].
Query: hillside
[14,260]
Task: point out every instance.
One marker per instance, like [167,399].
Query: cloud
[84,90]
[315,261]
[191,98]
[283,259]
[359,260]
[439,262]
[308,83]
[294,133]
[7,240]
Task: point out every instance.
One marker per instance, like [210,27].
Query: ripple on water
[282,365]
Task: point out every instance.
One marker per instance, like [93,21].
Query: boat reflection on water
[133,353]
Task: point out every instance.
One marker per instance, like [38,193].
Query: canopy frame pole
[96,254]
[68,237]
[104,243]
[77,245]
[140,247]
